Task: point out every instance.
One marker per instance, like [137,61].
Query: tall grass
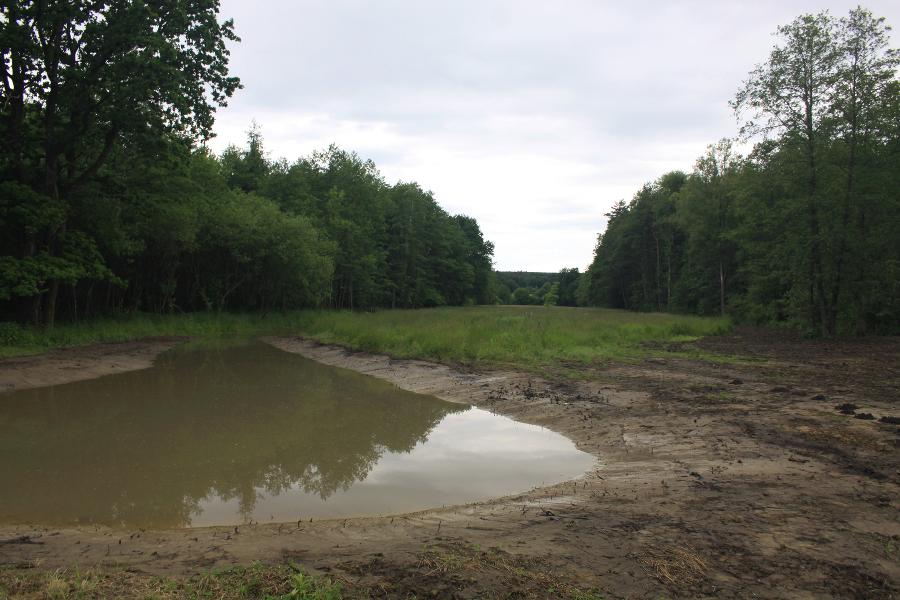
[529,337]
[16,340]
[501,336]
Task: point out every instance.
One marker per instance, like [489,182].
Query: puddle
[237,432]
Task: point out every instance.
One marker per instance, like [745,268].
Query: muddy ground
[716,477]
[82,362]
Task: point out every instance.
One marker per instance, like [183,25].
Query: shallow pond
[227,433]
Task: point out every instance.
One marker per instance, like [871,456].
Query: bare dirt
[717,477]
[82,362]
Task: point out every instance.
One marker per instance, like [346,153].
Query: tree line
[531,288]
[110,202]
[803,230]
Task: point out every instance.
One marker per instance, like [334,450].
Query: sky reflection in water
[219,434]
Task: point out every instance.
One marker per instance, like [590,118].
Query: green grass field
[16,341]
[532,338]
[524,337]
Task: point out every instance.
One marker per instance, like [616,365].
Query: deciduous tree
[79,76]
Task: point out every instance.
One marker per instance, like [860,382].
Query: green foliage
[824,98]
[527,279]
[636,261]
[504,296]
[434,259]
[552,296]
[81,82]
[175,233]
[245,170]
[109,207]
[568,287]
[523,295]
[11,334]
[799,233]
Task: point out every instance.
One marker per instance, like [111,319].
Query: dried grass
[237,583]
[681,566]
[840,432]
[530,578]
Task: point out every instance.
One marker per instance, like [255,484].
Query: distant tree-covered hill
[528,287]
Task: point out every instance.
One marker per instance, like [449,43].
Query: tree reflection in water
[224,421]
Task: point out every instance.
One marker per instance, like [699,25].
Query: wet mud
[82,362]
[729,472]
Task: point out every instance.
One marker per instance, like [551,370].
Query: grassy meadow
[524,337]
[17,341]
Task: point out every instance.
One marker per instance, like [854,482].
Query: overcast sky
[533,117]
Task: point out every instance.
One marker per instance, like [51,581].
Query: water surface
[234,432]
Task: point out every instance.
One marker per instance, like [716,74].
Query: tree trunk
[812,190]
[861,275]
[351,289]
[811,308]
[29,310]
[658,274]
[823,309]
[49,309]
[721,282]
[860,316]
[669,273]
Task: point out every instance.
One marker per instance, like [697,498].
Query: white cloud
[533,117]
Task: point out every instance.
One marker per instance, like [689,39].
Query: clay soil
[724,470]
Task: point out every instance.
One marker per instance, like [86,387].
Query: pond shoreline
[77,363]
[707,461]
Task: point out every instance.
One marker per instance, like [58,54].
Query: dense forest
[803,231]
[110,203]
[531,288]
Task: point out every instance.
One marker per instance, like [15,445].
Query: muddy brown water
[235,432]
